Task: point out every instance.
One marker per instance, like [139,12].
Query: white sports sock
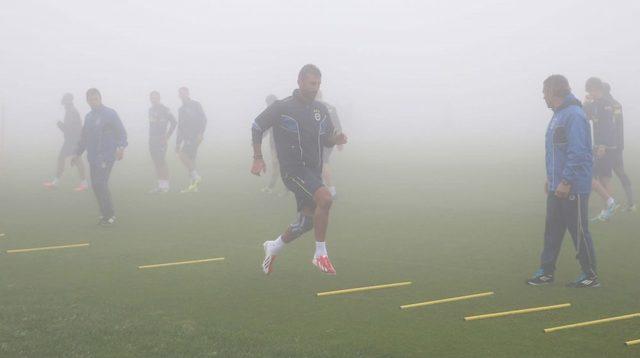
[610,201]
[278,245]
[321,249]
[194,175]
[332,190]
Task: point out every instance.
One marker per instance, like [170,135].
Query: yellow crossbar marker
[515,312]
[591,323]
[452,299]
[360,289]
[181,263]
[632,343]
[46,248]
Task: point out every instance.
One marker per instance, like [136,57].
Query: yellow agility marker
[46,248]
[361,289]
[451,299]
[181,263]
[516,312]
[632,343]
[591,323]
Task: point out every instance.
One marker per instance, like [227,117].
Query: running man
[327,174]
[191,125]
[569,166]
[599,110]
[160,118]
[301,126]
[275,166]
[104,138]
[618,162]
[71,128]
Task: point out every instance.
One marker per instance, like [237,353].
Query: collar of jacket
[300,97]
[569,100]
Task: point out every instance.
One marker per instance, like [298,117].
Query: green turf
[454,224]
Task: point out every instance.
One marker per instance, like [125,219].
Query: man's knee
[323,198]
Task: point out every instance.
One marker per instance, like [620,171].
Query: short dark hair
[558,85]
[594,83]
[154,92]
[606,87]
[183,89]
[93,91]
[309,69]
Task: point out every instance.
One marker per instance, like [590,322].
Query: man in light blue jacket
[569,163]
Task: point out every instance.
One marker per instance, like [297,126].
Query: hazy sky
[399,69]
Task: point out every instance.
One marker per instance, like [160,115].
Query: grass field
[452,226]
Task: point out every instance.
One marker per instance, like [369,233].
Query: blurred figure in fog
[618,162]
[275,166]
[71,127]
[327,175]
[599,110]
[192,123]
[162,124]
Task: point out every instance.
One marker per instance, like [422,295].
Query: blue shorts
[303,182]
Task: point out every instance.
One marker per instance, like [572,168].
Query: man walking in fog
[569,165]
[104,138]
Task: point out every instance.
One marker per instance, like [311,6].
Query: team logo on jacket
[317,115]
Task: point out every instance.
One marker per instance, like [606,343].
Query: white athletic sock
[278,245]
[332,190]
[194,175]
[163,184]
[610,201]
[321,249]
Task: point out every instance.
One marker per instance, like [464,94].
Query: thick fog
[396,70]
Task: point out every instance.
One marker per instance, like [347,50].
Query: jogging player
[618,162]
[191,125]
[599,110]
[569,165]
[71,128]
[301,127]
[104,138]
[160,118]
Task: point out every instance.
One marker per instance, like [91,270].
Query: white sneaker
[269,257]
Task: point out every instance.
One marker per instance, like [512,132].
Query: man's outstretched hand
[258,167]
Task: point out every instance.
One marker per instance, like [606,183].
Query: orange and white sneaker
[324,264]
[269,257]
[50,185]
[81,187]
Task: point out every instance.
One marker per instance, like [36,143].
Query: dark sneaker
[540,279]
[585,281]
